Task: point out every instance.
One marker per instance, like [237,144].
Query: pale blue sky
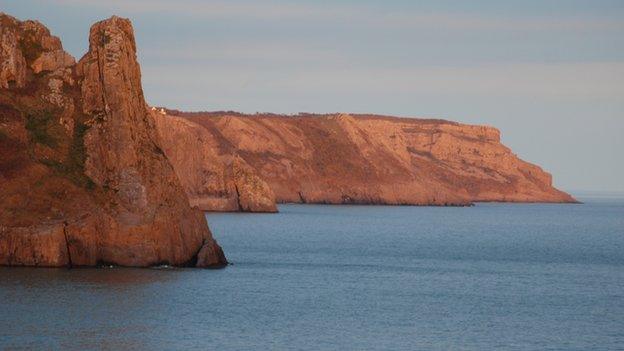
[548,74]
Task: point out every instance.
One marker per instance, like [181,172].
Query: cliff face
[372,159]
[83,178]
[214,177]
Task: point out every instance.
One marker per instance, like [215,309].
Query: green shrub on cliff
[77,156]
[44,130]
[31,48]
[40,124]
[72,167]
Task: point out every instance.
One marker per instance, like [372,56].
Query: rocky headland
[349,159]
[83,177]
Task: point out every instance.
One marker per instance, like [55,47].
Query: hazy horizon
[548,74]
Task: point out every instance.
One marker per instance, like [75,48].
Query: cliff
[83,178]
[364,159]
[214,177]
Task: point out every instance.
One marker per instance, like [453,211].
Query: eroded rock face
[28,44]
[52,61]
[254,194]
[85,181]
[368,159]
[12,62]
[215,179]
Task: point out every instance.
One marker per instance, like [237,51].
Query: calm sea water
[493,276]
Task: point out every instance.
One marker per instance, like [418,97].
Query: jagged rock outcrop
[369,159]
[215,178]
[83,178]
[253,193]
[12,61]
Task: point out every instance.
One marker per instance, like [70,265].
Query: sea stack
[83,177]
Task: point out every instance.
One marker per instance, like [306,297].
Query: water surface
[313,277]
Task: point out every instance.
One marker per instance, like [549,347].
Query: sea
[320,277]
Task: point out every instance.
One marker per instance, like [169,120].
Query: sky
[549,74]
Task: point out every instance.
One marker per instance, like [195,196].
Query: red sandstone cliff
[215,178]
[368,159]
[82,175]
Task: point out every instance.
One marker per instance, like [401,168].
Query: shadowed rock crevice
[238,202]
[69,258]
[301,198]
